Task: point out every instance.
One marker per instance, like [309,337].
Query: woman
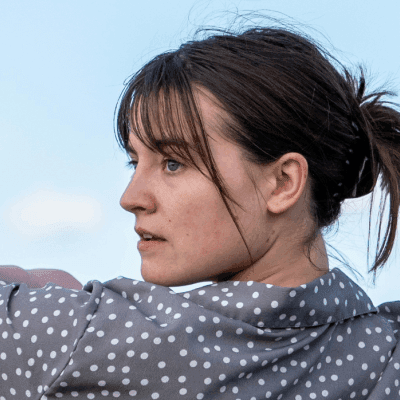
[244,148]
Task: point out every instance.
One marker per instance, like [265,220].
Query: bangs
[167,121]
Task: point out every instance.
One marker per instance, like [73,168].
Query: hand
[37,278]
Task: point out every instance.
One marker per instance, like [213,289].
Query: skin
[37,278]
[202,240]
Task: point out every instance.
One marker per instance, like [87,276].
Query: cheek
[204,220]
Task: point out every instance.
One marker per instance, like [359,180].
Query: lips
[155,236]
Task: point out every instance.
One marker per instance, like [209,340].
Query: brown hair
[281,94]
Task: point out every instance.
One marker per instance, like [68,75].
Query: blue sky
[62,71]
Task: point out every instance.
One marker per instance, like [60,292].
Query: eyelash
[132,163]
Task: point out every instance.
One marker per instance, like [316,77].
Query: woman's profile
[243,148]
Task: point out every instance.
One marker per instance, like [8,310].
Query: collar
[330,298]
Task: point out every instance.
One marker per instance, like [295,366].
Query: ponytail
[381,126]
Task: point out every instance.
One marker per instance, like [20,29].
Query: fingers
[37,278]
[57,276]
[13,273]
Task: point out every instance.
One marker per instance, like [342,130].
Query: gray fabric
[129,339]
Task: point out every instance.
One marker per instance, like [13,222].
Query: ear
[289,177]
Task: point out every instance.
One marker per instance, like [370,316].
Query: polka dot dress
[232,340]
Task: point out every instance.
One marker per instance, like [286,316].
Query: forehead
[171,122]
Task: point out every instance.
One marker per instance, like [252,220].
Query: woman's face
[202,242]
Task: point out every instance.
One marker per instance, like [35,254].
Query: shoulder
[390,313]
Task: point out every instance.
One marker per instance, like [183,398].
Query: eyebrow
[160,144]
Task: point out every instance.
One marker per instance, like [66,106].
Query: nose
[137,197]
[123,201]
[126,198]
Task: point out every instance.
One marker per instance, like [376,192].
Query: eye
[166,161]
[133,164]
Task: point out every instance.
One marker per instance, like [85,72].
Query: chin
[169,282]
[160,279]
[168,276]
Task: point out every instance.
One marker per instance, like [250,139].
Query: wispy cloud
[46,212]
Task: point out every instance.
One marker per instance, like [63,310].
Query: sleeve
[39,331]
[388,383]
[390,311]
